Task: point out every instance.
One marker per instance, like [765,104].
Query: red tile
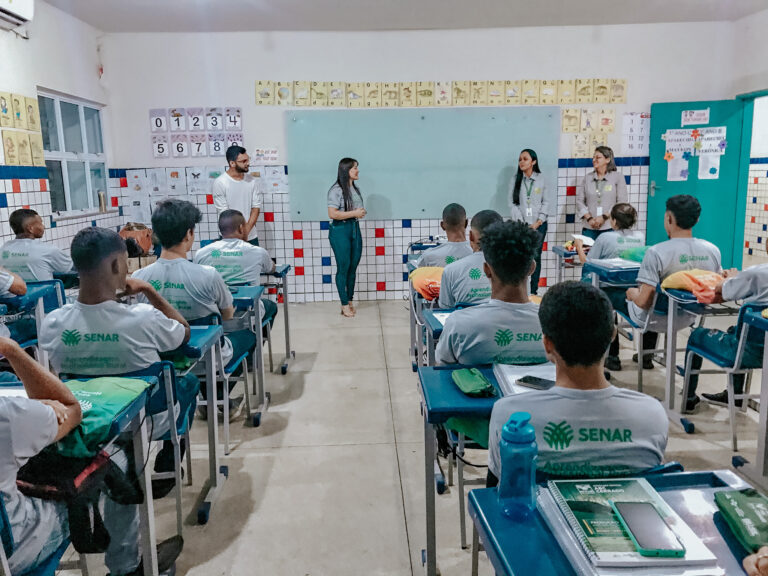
[298,252]
[381,286]
[115,201]
[746,244]
[542,282]
[272,291]
[765,206]
[753,219]
[544,247]
[16,185]
[280,299]
[298,235]
[570,190]
[26,206]
[299,270]
[269,216]
[379,232]
[123,182]
[379,250]
[209,198]
[43,185]
[755,180]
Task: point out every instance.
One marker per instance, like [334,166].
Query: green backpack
[101,400]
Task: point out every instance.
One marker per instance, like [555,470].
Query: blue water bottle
[518,455]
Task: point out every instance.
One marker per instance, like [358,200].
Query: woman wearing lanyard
[345,208]
[529,202]
[599,191]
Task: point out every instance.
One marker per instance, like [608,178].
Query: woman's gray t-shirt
[336,198]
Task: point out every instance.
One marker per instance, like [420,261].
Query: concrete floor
[331,483]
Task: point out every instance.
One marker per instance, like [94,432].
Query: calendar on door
[635,133]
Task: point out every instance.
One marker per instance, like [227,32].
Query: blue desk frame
[758,472]
[433,328]
[441,400]
[563,255]
[34,301]
[247,298]
[281,273]
[541,556]
[603,273]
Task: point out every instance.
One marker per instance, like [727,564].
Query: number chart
[194,132]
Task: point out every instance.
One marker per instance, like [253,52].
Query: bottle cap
[518,429]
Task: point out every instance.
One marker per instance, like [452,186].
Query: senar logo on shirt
[449,260]
[70,337]
[475,274]
[73,337]
[558,436]
[685,258]
[156,284]
[215,253]
[503,337]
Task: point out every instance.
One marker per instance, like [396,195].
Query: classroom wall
[61,54]
[750,56]
[756,225]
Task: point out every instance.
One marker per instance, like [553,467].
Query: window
[74,153]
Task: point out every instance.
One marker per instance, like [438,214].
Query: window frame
[86,157]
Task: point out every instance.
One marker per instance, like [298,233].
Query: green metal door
[678,165]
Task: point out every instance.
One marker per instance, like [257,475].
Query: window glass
[93,130]
[48,123]
[56,186]
[78,186]
[98,182]
[70,122]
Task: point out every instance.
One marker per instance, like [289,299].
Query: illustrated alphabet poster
[6,113]
[548,92]
[284,93]
[25,153]
[265,92]
[460,89]
[566,92]
[618,91]
[407,94]
[36,146]
[372,92]
[479,93]
[337,93]
[514,92]
[443,96]
[11,148]
[584,91]
[355,95]
[601,90]
[19,106]
[319,93]
[571,119]
[301,93]
[390,94]
[425,94]
[531,92]
[606,120]
[33,114]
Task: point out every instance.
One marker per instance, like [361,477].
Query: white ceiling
[252,15]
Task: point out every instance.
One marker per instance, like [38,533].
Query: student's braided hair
[509,248]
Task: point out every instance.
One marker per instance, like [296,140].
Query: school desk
[246,299]
[565,259]
[612,273]
[280,274]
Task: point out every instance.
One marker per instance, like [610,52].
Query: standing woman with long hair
[345,208]
[599,191]
[529,202]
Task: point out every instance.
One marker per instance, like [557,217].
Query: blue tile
[326,278]
[326,260]
[759,240]
[758,160]
[286,169]
[754,199]
[627,178]
[3,201]
[405,276]
[324,225]
[53,223]
[406,223]
[765,227]
[750,251]
[93,223]
[120,210]
[121,173]
[113,173]
[570,218]
[23,172]
[405,258]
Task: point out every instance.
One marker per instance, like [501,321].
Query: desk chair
[164,401]
[668,468]
[225,373]
[728,367]
[658,309]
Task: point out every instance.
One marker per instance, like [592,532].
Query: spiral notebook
[585,507]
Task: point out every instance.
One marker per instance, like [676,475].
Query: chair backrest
[6,535]
[754,335]
[210,320]
[53,302]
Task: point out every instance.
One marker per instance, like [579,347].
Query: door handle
[654,187]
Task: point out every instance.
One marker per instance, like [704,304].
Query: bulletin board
[415,161]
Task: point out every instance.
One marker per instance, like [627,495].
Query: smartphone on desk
[535,382]
[650,534]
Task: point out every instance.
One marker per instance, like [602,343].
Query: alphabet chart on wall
[195,132]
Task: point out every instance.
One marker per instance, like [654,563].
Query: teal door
[678,165]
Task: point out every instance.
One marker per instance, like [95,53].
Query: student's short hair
[483,219]
[172,219]
[578,319]
[454,216]
[230,220]
[509,248]
[233,152]
[686,210]
[91,246]
[18,219]
[624,214]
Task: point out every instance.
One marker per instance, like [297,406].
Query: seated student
[681,252]
[584,426]
[22,330]
[27,255]
[454,223]
[751,287]
[236,259]
[39,527]
[620,238]
[117,338]
[505,330]
[464,281]
[196,291]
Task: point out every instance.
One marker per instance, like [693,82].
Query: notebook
[589,519]
[507,376]
[442,316]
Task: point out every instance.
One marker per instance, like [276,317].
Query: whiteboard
[415,161]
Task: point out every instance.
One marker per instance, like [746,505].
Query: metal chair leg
[686,381]
[462,511]
[475,549]
[732,412]
[640,358]
[188,444]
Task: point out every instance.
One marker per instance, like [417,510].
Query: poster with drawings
[160,146]
[158,120]
[234,139]
[196,119]
[138,206]
[177,119]
[198,145]
[177,181]
[197,181]
[275,180]
[233,119]
[217,144]
[214,121]
[179,145]
[157,182]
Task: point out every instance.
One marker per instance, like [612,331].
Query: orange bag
[701,283]
[139,232]
[426,281]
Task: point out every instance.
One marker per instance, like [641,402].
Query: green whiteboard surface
[415,161]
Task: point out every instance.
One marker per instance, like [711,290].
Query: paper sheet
[709,167]
[442,317]
[677,170]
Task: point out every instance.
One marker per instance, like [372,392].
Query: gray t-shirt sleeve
[221,294]
[650,268]
[6,281]
[750,285]
[598,249]
[444,351]
[544,209]
[446,299]
[336,198]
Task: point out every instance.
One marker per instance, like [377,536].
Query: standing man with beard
[238,190]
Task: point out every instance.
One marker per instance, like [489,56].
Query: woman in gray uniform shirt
[529,202]
[599,191]
[345,208]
